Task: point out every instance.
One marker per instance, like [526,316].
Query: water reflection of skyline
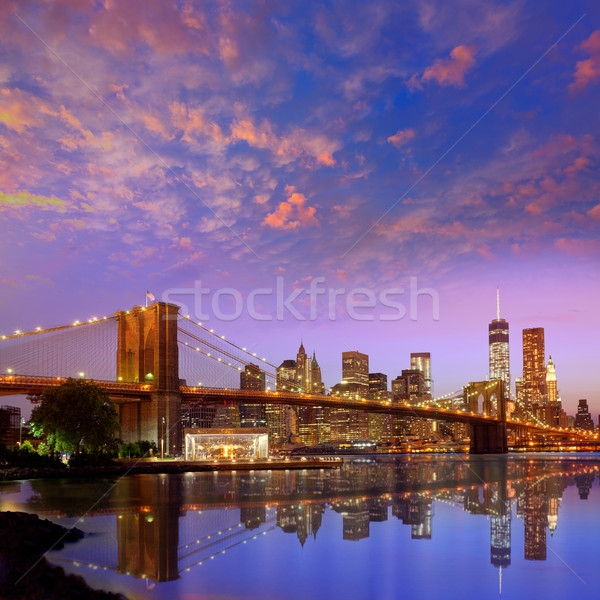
[157,527]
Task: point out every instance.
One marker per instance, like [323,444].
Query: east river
[452,526]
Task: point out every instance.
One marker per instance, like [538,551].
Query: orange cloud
[326,159]
[594,213]
[20,111]
[193,123]
[121,27]
[401,137]
[298,144]
[292,213]
[155,125]
[587,71]
[580,164]
[451,71]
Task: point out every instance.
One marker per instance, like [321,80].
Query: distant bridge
[139,357]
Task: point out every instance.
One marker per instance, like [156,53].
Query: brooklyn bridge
[153,360]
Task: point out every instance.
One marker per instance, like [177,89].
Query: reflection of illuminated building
[253,516]
[584,482]
[301,519]
[355,514]
[500,547]
[416,512]
[535,510]
[378,509]
[148,540]
[208,444]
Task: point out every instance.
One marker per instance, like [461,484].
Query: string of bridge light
[217,359]
[222,337]
[38,330]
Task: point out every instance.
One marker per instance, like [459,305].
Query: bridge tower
[147,353]
[488,438]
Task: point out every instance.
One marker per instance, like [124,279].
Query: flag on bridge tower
[149,296]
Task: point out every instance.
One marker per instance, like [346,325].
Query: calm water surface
[402,527]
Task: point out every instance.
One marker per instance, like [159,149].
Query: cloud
[451,71]
[587,71]
[25,199]
[594,213]
[401,137]
[298,144]
[292,213]
[20,111]
[578,247]
[124,27]
[581,163]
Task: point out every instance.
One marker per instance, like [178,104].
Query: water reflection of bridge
[165,525]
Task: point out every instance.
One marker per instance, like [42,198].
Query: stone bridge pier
[488,398]
[147,352]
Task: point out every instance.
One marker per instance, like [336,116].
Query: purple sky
[151,145]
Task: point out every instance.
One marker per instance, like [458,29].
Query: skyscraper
[583,419]
[252,378]
[355,368]
[498,348]
[317,386]
[286,376]
[303,369]
[422,362]
[551,386]
[534,365]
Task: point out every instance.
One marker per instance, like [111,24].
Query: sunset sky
[151,145]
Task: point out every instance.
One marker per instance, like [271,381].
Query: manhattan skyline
[365,146]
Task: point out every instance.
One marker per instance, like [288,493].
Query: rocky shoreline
[139,467]
[25,573]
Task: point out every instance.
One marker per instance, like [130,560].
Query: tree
[76,416]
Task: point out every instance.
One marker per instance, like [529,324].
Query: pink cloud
[451,71]
[581,163]
[193,123]
[292,213]
[155,125]
[594,213]
[486,252]
[120,27]
[20,111]
[298,144]
[578,247]
[587,71]
[401,137]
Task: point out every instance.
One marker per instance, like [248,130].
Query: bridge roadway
[125,392]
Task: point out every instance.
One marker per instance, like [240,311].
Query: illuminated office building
[421,361]
[499,350]
[286,376]
[551,386]
[252,378]
[380,425]
[583,419]
[355,369]
[303,370]
[534,365]
[317,385]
